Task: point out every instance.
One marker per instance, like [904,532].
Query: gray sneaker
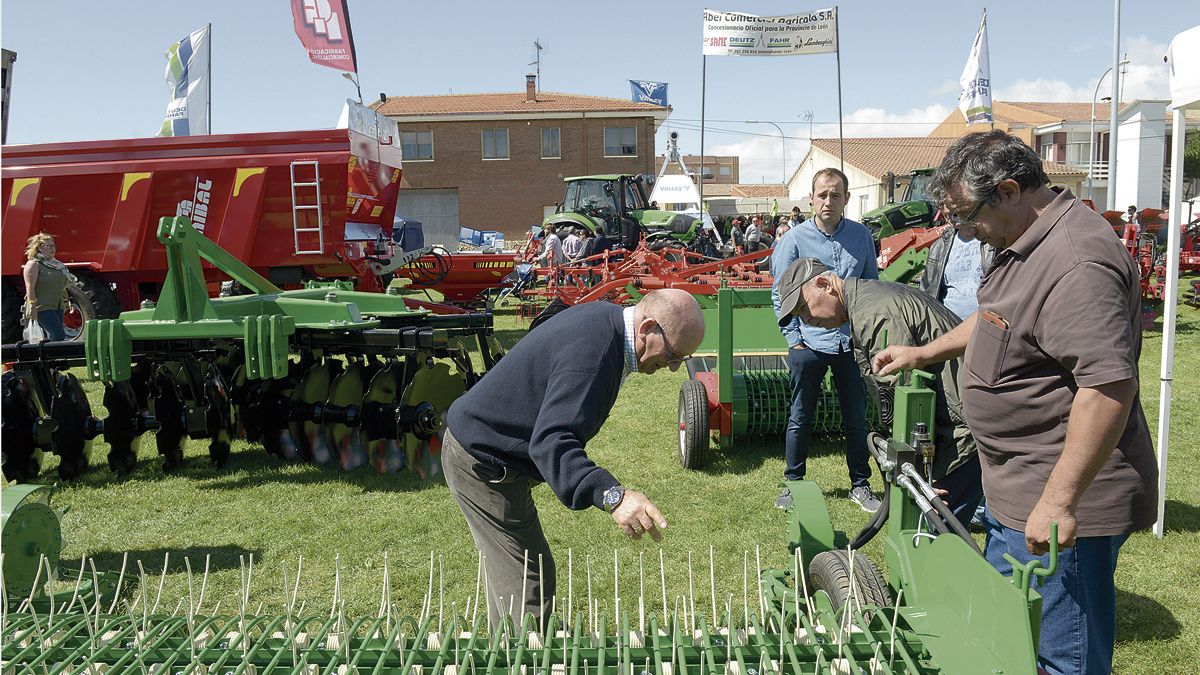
[865,498]
[784,500]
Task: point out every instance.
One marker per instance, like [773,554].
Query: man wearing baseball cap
[880,313]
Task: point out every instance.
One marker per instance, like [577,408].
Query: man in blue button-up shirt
[846,247]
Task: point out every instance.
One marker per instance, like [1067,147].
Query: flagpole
[992,116]
[208,102]
[841,137]
[703,82]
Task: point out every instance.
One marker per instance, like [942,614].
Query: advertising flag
[649,92]
[975,101]
[323,27]
[188,79]
[737,34]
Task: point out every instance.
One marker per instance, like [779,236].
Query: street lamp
[1092,135]
[352,78]
[782,149]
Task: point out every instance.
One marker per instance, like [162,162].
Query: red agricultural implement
[294,206]
[621,276]
[462,278]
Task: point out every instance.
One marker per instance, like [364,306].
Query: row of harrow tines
[321,374]
[622,276]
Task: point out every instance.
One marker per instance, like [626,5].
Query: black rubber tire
[693,425]
[95,299]
[10,312]
[830,572]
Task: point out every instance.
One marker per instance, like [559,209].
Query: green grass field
[276,512]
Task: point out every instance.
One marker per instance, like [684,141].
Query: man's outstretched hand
[896,358]
[637,515]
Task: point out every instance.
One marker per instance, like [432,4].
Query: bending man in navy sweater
[528,421]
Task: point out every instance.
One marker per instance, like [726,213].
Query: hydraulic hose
[936,502]
[873,526]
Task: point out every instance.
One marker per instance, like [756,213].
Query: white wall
[1141,155]
[861,183]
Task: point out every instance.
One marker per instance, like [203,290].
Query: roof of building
[776,190]
[1048,112]
[900,154]
[507,102]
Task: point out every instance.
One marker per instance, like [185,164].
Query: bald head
[669,327]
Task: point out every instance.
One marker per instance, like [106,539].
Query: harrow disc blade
[119,428]
[438,386]
[385,454]
[22,458]
[347,389]
[219,419]
[269,410]
[313,389]
[73,414]
[243,395]
[166,402]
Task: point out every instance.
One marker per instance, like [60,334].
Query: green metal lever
[1023,574]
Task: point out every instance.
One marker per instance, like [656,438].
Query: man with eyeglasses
[846,247]
[529,420]
[1050,387]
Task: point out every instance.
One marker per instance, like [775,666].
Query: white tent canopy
[1183,57]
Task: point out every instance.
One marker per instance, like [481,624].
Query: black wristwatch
[612,498]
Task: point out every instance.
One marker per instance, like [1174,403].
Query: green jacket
[883,313]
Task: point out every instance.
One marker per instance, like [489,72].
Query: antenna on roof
[537,61]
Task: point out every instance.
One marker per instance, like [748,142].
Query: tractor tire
[693,425]
[10,312]
[830,572]
[92,299]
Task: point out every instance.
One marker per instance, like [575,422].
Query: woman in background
[46,280]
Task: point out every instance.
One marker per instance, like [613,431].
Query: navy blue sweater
[539,406]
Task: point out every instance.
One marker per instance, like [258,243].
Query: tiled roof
[778,191]
[1065,112]
[508,102]
[877,156]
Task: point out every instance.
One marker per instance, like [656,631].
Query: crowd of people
[1037,397]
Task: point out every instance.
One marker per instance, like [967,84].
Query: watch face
[612,497]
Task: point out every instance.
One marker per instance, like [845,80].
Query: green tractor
[620,203]
[915,210]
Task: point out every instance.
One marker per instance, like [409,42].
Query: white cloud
[1146,76]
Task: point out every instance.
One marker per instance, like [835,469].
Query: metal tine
[569,618]
[524,587]
[746,590]
[78,582]
[591,620]
[120,579]
[427,603]
[642,593]
[337,584]
[37,578]
[662,571]
[204,582]
[385,596]
[96,606]
[895,620]
[161,580]
[804,582]
[762,608]
[478,580]
[441,594]
[191,622]
[712,581]
[3,599]
[541,598]
[691,601]
[616,599]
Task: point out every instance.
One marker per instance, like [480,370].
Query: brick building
[718,169]
[497,161]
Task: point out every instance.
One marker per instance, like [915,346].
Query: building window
[417,145]
[495,143]
[551,147]
[862,205]
[620,141]
[726,171]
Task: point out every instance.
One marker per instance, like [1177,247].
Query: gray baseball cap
[796,275]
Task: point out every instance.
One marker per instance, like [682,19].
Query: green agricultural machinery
[739,380]
[913,210]
[617,202]
[940,608]
[322,374]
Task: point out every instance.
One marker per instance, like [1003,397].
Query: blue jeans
[51,321]
[965,488]
[1079,603]
[808,370]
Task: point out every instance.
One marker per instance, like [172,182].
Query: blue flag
[649,92]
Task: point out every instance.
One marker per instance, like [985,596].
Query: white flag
[975,101]
[188,79]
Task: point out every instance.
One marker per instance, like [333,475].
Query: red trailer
[294,205]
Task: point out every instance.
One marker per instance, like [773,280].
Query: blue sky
[89,70]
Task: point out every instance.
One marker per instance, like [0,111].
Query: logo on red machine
[196,209]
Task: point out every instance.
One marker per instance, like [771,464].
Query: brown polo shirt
[1067,299]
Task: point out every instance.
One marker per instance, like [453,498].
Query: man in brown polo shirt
[1050,387]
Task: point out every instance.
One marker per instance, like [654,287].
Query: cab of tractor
[620,203]
[914,209]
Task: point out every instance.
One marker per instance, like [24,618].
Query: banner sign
[737,34]
[975,101]
[649,92]
[188,79]
[323,27]
[675,189]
